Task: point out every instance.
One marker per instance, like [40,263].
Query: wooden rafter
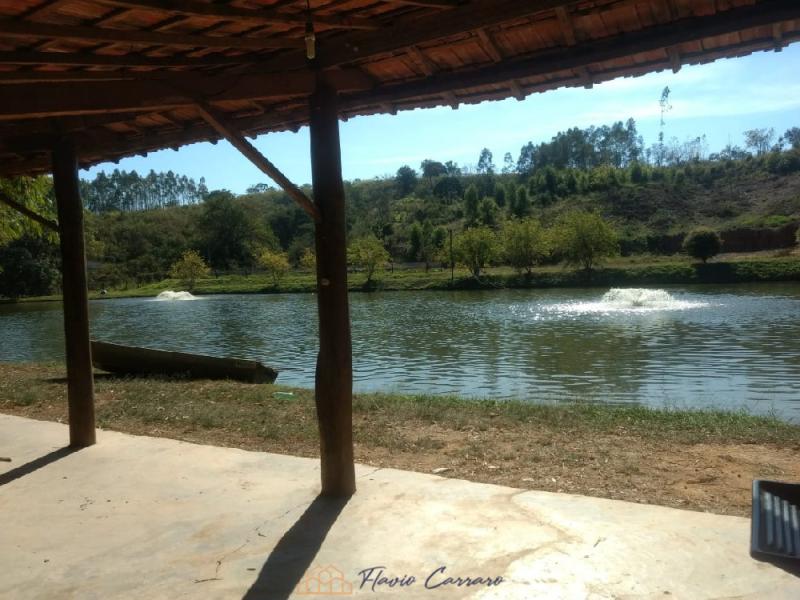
[426,3]
[231,13]
[429,69]
[405,33]
[238,141]
[24,57]
[588,53]
[161,92]
[12,28]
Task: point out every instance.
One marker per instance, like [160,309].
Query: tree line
[139,227]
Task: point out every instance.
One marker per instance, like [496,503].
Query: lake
[692,346]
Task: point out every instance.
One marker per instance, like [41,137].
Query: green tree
[367,253]
[405,180]
[526,243]
[276,264]
[759,140]
[486,163]
[585,238]
[702,243]
[487,212]
[500,196]
[475,248]
[230,236]
[189,268]
[29,266]
[471,201]
[34,193]
[521,207]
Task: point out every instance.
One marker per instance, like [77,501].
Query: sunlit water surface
[704,346]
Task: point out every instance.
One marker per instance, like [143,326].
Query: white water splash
[169,295]
[632,300]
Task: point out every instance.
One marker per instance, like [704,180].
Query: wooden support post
[80,380]
[334,375]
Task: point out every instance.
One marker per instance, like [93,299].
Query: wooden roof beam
[193,8]
[493,51]
[430,69]
[426,3]
[162,92]
[24,57]
[585,54]
[412,31]
[567,26]
[238,141]
[14,28]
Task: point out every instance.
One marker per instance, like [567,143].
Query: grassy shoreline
[702,460]
[619,273]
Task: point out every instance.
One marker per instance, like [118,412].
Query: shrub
[702,243]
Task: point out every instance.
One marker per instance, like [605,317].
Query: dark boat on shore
[132,360]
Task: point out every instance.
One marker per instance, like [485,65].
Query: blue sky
[721,100]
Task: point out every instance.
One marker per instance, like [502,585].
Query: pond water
[704,346]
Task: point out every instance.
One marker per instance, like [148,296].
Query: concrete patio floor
[138,517]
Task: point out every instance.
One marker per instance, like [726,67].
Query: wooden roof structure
[87,81]
[124,77]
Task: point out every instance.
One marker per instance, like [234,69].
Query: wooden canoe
[132,360]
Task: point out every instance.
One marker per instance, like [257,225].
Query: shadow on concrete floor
[35,464]
[790,565]
[294,553]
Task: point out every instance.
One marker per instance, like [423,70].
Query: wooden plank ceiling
[125,76]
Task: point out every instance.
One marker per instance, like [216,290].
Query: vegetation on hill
[644,200]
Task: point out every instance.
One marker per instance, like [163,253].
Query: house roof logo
[324,581]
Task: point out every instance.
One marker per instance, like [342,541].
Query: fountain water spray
[636,300]
[169,295]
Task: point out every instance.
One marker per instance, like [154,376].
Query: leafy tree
[432,168]
[508,164]
[584,239]
[487,212]
[424,242]
[485,162]
[34,193]
[475,248]
[792,137]
[229,235]
[308,260]
[471,200]
[500,196]
[759,140]
[702,243]
[29,266]
[367,253]
[190,268]
[276,264]
[526,244]
[405,180]
[521,206]
[448,188]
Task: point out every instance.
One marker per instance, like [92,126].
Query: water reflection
[713,346]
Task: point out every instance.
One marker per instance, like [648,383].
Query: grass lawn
[686,459]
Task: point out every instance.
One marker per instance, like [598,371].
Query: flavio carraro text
[376,578]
